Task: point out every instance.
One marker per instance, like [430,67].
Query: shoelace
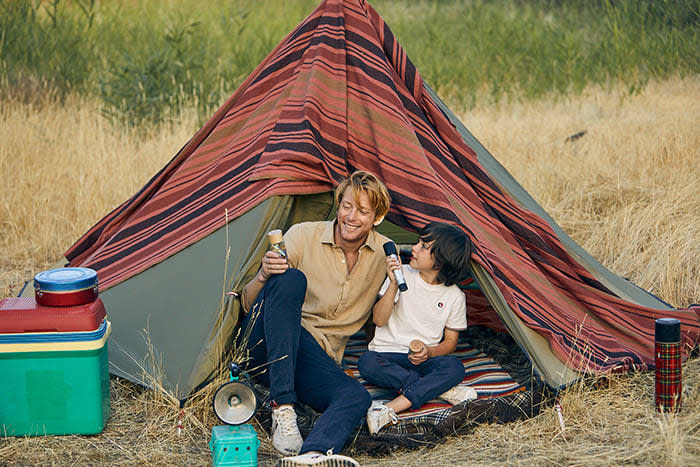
[286,420]
[389,412]
[393,416]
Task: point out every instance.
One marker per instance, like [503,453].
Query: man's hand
[272,263]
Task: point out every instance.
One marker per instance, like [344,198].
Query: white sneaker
[318,460]
[380,415]
[285,432]
[459,393]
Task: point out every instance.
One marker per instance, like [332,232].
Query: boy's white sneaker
[285,432]
[318,460]
[458,394]
[380,415]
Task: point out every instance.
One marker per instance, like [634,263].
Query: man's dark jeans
[419,383]
[300,370]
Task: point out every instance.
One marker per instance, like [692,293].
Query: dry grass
[628,191]
[612,425]
[61,169]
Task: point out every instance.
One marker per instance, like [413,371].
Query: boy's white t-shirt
[421,312]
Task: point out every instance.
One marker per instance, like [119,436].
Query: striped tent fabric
[339,94]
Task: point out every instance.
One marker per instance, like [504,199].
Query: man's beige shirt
[337,302]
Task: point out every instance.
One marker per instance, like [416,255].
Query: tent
[336,95]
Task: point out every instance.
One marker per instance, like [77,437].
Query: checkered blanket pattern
[500,399]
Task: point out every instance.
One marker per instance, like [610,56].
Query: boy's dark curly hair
[451,249]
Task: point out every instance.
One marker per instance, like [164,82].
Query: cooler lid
[38,337]
[233,433]
[55,342]
[24,315]
[65,279]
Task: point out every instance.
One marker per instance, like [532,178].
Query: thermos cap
[415,346]
[668,330]
[275,236]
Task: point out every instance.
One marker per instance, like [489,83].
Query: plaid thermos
[668,365]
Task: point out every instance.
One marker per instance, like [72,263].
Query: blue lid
[65,279]
[40,337]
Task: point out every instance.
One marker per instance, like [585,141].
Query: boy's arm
[384,306]
[447,346]
[457,321]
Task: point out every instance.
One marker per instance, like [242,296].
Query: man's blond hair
[366,182]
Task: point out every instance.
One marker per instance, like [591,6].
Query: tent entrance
[487,330]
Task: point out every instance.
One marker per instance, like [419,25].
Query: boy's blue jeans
[300,370]
[418,383]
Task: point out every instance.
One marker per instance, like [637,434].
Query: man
[307,305]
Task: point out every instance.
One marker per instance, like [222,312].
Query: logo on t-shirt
[440,304]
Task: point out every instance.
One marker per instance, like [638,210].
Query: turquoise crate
[234,445]
[54,383]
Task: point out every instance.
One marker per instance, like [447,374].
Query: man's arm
[271,264]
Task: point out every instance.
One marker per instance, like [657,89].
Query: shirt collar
[372,242]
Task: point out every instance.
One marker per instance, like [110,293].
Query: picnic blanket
[501,398]
[481,372]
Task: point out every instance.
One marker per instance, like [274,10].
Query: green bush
[528,48]
[53,44]
[146,59]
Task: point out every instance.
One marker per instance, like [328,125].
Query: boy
[432,307]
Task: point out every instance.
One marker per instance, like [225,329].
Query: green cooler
[54,367]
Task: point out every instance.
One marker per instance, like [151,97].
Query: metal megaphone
[234,402]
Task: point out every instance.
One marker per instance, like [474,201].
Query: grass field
[628,191]
[96,96]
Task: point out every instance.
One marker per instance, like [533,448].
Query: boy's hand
[419,357]
[392,264]
[272,263]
